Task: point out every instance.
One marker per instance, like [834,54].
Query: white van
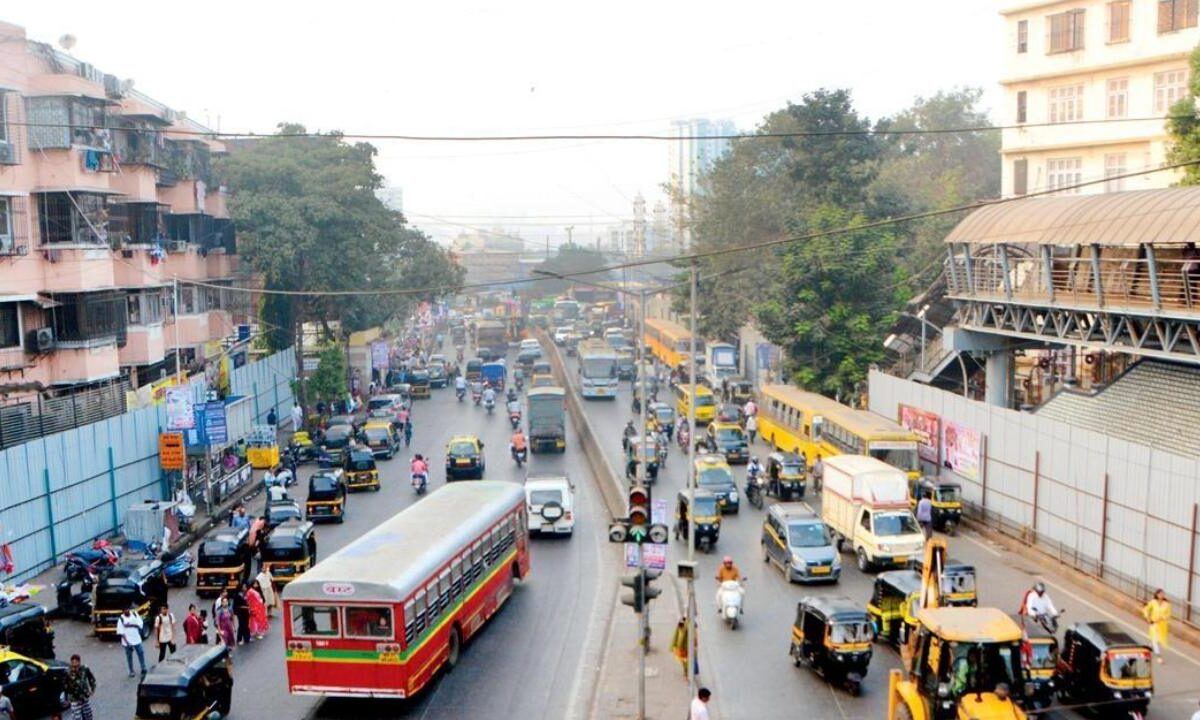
[550,502]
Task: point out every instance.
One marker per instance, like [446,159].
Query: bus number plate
[389,657]
[301,655]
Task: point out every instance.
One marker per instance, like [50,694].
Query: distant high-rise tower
[639,227]
[698,144]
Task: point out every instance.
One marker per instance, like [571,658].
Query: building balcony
[74,168]
[222,265]
[185,197]
[73,366]
[74,268]
[144,345]
[140,265]
[136,183]
[217,202]
[185,262]
[193,330]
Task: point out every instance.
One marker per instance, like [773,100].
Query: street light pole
[643,619]
[693,644]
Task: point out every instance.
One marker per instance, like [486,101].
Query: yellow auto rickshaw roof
[970,624]
[384,424]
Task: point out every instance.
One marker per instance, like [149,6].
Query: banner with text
[927,427]
[961,448]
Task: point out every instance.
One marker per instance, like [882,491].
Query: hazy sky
[521,66]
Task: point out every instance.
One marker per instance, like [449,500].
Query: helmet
[1039,587]
[727,560]
[754,459]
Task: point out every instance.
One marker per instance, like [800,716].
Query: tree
[571,258]
[763,188]
[836,298]
[1183,127]
[328,382]
[310,224]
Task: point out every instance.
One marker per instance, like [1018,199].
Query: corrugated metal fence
[1122,512]
[60,491]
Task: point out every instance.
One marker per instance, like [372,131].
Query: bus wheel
[455,648]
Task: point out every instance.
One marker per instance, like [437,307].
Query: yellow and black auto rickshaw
[1039,661]
[25,629]
[474,370]
[361,473]
[737,390]
[1103,667]
[956,584]
[326,496]
[289,550]
[701,506]
[946,498]
[419,380]
[142,586]
[894,604]
[832,635]
[223,561]
[193,683]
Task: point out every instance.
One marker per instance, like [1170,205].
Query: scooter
[476,396]
[684,437]
[515,419]
[177,568]
[460,393]
[489,405]
[74,605]
[419,481]
[520,455]
[731,596]
[98,560]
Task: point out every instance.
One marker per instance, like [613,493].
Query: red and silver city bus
[383,614]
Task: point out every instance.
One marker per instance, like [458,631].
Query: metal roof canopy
[1168,216]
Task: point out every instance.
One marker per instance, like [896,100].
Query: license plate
[389,657]
[301,655]
[900,559]
[819,570]
[462,462]
[600,391]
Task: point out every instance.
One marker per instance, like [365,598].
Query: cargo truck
[547,420]
[864,502]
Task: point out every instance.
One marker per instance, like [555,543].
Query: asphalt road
[749,670]
[536,658]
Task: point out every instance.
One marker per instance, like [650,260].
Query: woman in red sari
[259,625]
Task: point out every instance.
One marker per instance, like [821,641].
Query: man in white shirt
[129,630]
[1038,603]
[297,417]
[750,408]
[699,709]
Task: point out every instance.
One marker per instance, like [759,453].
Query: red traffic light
[639,505]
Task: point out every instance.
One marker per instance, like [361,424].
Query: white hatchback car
[561,334]
[530,344]
[550,501]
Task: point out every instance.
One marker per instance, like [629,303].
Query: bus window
[498,542]
[443,585]
[817,423]
[476,561]
[368,622]
[488,548]
[410,623]
[456,578]
[419,612]
[315,620]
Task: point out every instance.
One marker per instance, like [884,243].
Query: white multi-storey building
[1116,65]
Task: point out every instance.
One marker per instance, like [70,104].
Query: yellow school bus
[670,342]
[706,405]
[793,420]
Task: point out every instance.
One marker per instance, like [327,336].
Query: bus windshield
[599,368]
[901,458]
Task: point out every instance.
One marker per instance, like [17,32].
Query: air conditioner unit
[8,154]
[40,340]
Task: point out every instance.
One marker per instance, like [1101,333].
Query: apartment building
[1118,64]
[106,198]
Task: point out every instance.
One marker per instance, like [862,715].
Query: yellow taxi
[714,475]
[35,687]
[464,458]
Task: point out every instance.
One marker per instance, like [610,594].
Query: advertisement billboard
[961,449]
[927,428]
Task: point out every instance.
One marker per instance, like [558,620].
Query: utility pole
[178,360]
[570,229]
[693,645]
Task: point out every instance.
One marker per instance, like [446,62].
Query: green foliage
[836,297]
[309,220]
[1183,127]
[571,258]
[328,382]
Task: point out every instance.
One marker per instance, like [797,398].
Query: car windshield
[1042,655]
[705,507]
[664,414]
[376,435]
[949,494]
[462,448]
[715,477]
[792,468]
[903,458]
[376,403]
[848,633]
[705,401]
[541,497]
[1128,665]
[730,435]
[900,523]
[807,534]
[337,433]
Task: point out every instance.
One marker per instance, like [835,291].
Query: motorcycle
[754,489]
[520,384]
[95,561]
[731,596]
[177,568]
[684,437]
[515,419]
[476,396]
[460,393]
[520,455]
[1049,622]
[489,405]
[419,482]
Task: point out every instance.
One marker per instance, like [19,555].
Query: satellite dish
[66,42]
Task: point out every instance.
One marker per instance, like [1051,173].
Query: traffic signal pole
[693,644]
[643,612]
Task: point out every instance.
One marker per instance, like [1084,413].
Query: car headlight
[885,548]
[837,562]
[797,559]
[1117,694]
[733,496]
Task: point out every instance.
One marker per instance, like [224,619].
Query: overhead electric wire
[692,257]
[552,137]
